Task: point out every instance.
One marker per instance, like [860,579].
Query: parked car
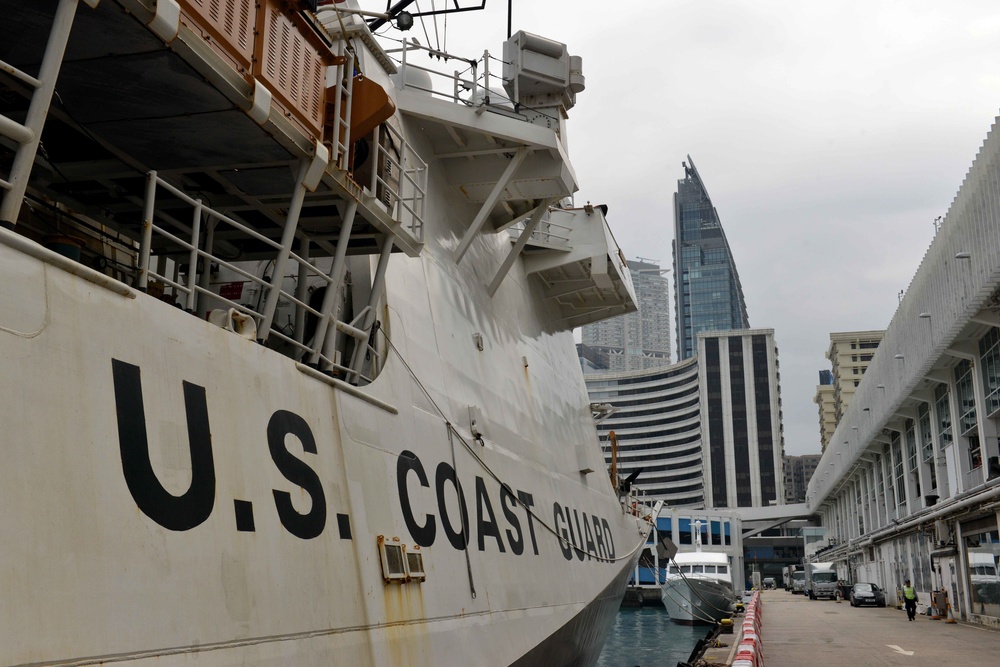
[864,593]
[769,582]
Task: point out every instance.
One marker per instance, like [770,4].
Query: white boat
[698,587]
[288,366]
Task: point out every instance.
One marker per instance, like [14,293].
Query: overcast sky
[829,135]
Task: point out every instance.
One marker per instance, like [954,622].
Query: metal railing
[196,292]
[404,196]
[476,86]
[546,232]
[401,179]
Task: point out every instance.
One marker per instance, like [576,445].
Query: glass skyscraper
[708,294]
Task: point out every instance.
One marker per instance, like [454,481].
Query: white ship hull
[691,600]
[177,494]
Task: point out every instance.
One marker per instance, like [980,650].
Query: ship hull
[690,600]
[181,491]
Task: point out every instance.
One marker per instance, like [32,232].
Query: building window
[942,406]
[926,442]
[975,453]
[989,351]
[965,394]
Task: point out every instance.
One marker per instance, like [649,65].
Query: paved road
[799,632]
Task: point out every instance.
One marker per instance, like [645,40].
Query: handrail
[347,388]
[544,233]
[27,246]
[194,250]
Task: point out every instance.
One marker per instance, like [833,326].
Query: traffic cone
[950,619]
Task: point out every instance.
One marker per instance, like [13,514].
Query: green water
[646,637]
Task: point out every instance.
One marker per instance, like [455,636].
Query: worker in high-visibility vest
[910,600]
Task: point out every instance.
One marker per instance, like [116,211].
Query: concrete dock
[798,632]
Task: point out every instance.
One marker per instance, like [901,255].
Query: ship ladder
[28,135]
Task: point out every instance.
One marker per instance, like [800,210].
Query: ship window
[723,569]
[697,568]
[685,569]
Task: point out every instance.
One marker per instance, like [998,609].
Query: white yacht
[699,586]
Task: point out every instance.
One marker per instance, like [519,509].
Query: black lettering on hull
[508,502]
[591,547]
[458,538]
[529,501]
[609,539]
[599,537]
[580,553]
[560,523]
[486,527]
[194,506]
[422,534]
[296,471]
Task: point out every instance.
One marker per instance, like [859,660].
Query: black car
[867,594]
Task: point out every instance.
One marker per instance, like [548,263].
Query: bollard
[748,651]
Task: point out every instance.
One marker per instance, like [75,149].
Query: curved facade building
[657,421]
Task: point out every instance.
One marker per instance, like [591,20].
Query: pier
[798,632]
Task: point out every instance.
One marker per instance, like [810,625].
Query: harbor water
[645,637]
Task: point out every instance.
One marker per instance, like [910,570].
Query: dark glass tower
[708,294]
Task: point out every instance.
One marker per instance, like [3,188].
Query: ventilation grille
[227,25]
[393,560]
[398,564]
[415,565]
[292,68]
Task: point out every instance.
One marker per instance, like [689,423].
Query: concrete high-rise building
[708,295]
[824,400]
[742,434]
[798,471]
[639,340]
[850,354]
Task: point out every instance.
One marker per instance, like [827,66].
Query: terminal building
[909,486]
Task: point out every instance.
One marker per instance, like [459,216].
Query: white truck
[798,579]
[820,581]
